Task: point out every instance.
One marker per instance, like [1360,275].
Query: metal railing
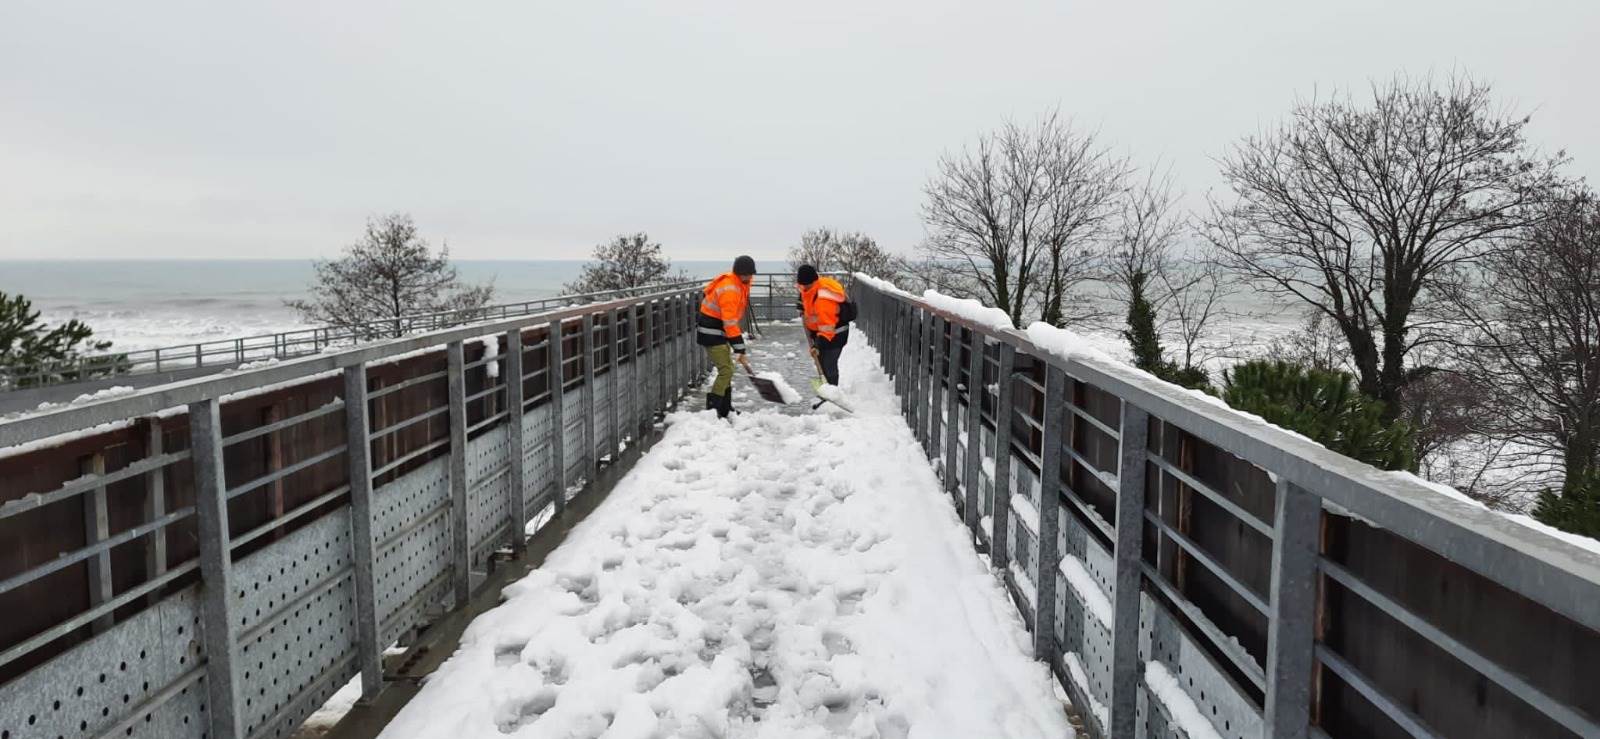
[1185,553]
[239,546]
[232,352]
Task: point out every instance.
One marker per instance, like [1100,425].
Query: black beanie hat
[744,265]
[806,275]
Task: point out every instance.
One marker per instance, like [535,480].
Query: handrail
[282,344]
[1560,574]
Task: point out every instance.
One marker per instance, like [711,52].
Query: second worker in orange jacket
[823,304]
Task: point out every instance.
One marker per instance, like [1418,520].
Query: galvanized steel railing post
[1290,629]
[97,528]
[1049,559]
[461,546]
[614,388]
[636,329]
[358,453]
[1000,510]
[908,386]
[155,506]
[1128,555]
[952,411]
[927,395]
[935,386]
[216,569]
[555,379]
[649,409]
[675,352]
[590,418]
[973,510]
[519,441]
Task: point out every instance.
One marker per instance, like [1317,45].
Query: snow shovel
[766,388]
[816,386]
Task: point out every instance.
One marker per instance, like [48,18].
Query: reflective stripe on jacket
[820,304]
[724,303]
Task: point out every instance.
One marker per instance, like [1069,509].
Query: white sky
[535,129]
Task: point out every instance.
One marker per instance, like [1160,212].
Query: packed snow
[776,576]
[972,310]
[1165,688]
[491,350]
[1075,670]
[1027,513]
[1094,599]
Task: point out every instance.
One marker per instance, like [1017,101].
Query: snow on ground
[779,576]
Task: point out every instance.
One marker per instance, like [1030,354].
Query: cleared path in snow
[783,576]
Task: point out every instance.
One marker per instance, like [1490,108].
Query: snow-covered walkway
[782,576]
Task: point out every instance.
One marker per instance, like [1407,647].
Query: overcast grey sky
[536,129]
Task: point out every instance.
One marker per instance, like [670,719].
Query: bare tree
[627,261]
[1363,211]
[1534,313]
[1146,230]
[391,272]
[1191,295]
[1018,211]
[830,250]
[1085,184]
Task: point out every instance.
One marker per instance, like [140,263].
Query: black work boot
[724,404]
[712,403]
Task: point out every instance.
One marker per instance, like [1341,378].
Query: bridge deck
[792,574]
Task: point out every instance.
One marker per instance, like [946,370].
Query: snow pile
[99,395]
[881,285]
[1027,513]
[1094,599]
[1579,540]
[790,395]
[972,310]
[1079,676]
[1165,688]
[777,576]
[491,350]
[1023,582]
[1069,344]
[834,395]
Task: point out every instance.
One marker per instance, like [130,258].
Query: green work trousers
[721,358]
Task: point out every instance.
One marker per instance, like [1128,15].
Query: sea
[144,304]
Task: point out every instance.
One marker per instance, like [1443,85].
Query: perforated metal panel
[1082,633]
[1231,714]
[488,492]
[140,678]
[412,525]
[572,436]
[536,457]
[297,623]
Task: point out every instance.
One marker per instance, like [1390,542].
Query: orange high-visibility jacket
[820,303]
[726,298]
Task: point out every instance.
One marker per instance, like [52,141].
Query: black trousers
[828,355]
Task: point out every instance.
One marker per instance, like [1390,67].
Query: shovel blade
[767,389]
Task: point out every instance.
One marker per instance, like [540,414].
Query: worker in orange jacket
[717,329]
[824,305]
